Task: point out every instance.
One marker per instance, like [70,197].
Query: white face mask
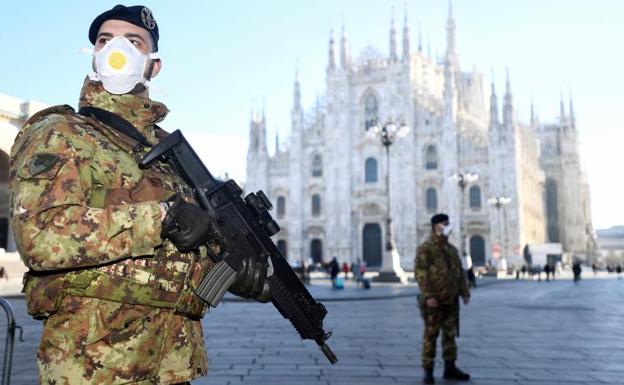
[447,230]
[120,66]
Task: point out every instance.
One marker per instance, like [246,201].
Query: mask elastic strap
[87,51]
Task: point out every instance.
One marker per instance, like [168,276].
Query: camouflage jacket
[438,271]
[87,223]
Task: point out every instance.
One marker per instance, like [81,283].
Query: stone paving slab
[514,332]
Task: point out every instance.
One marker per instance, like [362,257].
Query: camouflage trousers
[443,317]
[97,342]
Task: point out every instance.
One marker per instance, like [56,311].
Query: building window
[371,111]
[431,158]
[370,172]
[317,166]
[281,206]
[552,211]
[316,205]
[432,200]
[475,197]
[283,248]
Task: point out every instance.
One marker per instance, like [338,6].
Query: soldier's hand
[185,224]
[251,280]
[432,302]
[466,299]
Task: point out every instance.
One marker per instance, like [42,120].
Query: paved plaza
[513,332]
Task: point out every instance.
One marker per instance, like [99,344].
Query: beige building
[13,113]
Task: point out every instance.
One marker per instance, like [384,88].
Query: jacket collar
[142,112]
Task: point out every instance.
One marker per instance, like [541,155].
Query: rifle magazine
[214,285]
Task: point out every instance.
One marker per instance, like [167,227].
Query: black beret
[137,14]
[439,218]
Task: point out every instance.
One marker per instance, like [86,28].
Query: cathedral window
[432,200]
[552,212]
[317,166]
[316,205]
[281,206]
[371,111]
[370,170]
[475,197]
[431,158]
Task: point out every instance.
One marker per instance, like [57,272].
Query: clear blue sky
[221,58]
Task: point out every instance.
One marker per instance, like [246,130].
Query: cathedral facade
[334,185]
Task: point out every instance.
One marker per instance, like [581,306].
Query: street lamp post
[463,180]
[391,265]
[498,202]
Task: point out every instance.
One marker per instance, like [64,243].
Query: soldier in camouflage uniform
[114,251]
[441,279]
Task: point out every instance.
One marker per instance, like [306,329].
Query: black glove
[251,280]
[186,225]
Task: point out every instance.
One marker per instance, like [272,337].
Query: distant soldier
[441,279]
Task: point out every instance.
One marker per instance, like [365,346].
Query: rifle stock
[245,228]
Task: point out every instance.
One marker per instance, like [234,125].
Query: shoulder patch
[42,162]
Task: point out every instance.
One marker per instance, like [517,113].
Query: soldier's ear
[156,67]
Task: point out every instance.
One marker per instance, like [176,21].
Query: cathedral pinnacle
[297,91]
[331,66]
[393,43]
[493,105]
[572,117]
[508,103]
[345,57]
[406,40]
[451,53]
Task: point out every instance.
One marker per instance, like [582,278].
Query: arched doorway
[372,245]
[477,250]
[316,251]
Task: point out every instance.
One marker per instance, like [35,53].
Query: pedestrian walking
[547,271]
[472,279]
[618,270]
[441,279]
[523,270]
[576,270]
[345,270]
[333,270]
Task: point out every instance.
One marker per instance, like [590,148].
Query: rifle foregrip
[214,285]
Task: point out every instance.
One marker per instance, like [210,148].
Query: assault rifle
[245,227]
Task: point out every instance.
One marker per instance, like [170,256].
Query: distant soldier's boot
[428,379]
[452,372]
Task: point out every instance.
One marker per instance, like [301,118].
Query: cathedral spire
[508,104]
[331,66]
[297,91]
[572,117]
[345,56]
[533,117]
[406,39]
[393,42]
[451,51]
[562,114]
[493,106]
[276,141]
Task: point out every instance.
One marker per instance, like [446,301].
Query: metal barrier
[10,339]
